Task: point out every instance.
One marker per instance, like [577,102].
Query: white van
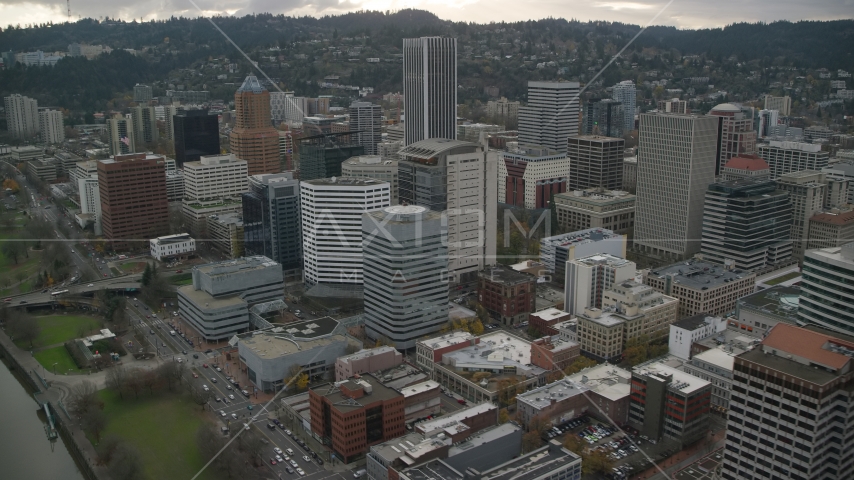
[359,473]
[172,332]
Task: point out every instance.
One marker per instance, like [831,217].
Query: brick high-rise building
[134,205]
[506,292]
[254,139]
[353,415]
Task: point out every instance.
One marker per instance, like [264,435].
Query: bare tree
[24,327]
[150,380]
[84,397]
[94,421]
[171,373]
[126,463]
[200,396]
[117,379]
[252,445]
[107,447]
[134,381]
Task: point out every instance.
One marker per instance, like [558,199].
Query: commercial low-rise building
[758,312]
[544,321]
[429,351]
[355,414]
[422,400]
[270,355]
[715,367]
[555,251]
[217,303]
[702,287]
[461,424]
[178,246]
[506,293]
[44,169]
[831,229]
[552,353]
[480,372]
[602,390]
[372,360]
[669,403]
[630,310]
[197,213]
[596,208]
[685,332]
[225,232]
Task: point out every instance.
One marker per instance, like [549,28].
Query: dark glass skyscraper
[196,134]
[271,219]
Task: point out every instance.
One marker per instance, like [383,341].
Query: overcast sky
[680,13]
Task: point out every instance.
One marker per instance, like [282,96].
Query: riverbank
[54,389]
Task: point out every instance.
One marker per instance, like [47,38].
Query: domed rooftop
[726,107]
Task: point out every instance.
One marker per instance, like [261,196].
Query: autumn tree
[578,365]
[503,416]
[531,441]
[94,422]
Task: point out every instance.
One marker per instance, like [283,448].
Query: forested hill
[505,55]
[807,44]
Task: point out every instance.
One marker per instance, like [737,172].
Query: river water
[25,451]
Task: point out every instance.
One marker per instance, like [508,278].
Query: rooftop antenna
[68,3]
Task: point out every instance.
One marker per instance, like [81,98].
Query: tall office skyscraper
[807,191]
[51,127]
[22,116]
[169,112]
[781,104]
[134,205]
[196,134]
[767,121]
[677,155]
[366,118]
[406,295]
[747,221]
[825,298]
[145,125]
[332,211]
[120,136]
[738,136]
[603,116]
[271,219]
[791,157]
[625,93]
[459,179]
[254,139]
[595,161]
[551,116]
[430,88]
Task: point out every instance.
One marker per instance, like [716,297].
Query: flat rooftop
[550,314]
[484,437]
[270,345]
[738,340]
[418,388]
[307,329]
[808,347]
[535,464]
[718,357]
[366,353]
[345,181]
[242,265]
[609,381]
[505,275]
[706,468]
[557,391]
[698,274]
[681,382]
[345,404]
[603,259]
[448,339]
[692,323]
[452,421]
[201,297]
[780,302]
[597,196]
[580,237]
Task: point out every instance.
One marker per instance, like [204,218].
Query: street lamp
[54,367]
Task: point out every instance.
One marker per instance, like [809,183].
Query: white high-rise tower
[625,93]
[677,156]
[551,116]
[430,88]
[22,116]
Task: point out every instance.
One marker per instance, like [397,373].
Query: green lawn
[132,267]
[163,429]
[62,328]
[181,279]
[783,278]
[26,267]
[58,355]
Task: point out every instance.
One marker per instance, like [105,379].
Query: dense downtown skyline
[687,14]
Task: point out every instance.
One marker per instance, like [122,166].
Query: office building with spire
[254,138]
[430,88]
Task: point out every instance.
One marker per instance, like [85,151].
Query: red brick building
[356,414]
[544,320]
[134,204]
[507,293]
[554,355]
